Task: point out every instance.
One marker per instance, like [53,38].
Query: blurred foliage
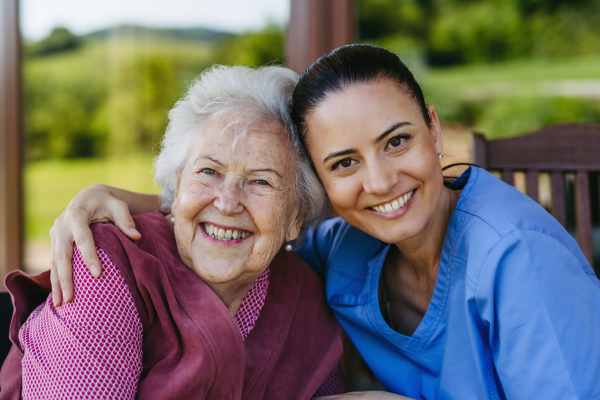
[110,93]
[59,40]
[452,32]
[253,48]
[512,116]
[504,67]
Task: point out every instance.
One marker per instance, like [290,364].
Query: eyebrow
[390,130]
[377,140]
[339,153]
[210,158]
[266,170]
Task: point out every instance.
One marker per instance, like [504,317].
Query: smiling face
[378,159]
[234,208]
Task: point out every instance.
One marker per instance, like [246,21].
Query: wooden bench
[559,150]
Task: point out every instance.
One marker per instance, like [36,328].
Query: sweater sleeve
[541,310]
[89,348]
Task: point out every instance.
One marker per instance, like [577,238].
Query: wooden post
[10,140]
[316,28]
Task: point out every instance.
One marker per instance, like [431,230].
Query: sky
[39,17]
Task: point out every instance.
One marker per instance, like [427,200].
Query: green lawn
[50,185]
[522,71]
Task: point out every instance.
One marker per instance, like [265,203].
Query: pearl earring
[288,247]
[173,219]
[440,155]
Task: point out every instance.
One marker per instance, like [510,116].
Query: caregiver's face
[378,159]
[234,208]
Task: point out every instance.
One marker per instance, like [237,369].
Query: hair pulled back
[347,65]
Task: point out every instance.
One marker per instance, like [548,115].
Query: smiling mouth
[393,205]
[223,234]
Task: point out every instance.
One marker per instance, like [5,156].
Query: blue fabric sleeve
[540,308]
[317,244]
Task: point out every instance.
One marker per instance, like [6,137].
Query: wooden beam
[316,28]
[10,140]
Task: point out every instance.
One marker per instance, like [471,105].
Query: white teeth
[222,234]
[394,205]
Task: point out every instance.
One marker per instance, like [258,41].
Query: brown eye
[395,142]
[345,163]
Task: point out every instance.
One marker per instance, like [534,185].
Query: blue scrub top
[515,311]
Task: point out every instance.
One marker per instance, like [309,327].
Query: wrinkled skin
[248,188]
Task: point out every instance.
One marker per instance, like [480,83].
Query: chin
[217,270]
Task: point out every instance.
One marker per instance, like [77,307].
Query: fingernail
[64,292]
[94,270]
[134,231]
[56,304]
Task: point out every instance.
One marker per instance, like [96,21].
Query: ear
[294,228]
[436,130]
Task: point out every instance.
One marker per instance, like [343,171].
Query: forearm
[138,203]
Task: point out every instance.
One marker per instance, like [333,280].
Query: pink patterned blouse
[92,347]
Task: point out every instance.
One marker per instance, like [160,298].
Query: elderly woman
[206,304]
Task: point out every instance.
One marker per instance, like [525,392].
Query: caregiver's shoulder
[491,213]
[334,242]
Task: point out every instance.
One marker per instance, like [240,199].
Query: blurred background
[99,77]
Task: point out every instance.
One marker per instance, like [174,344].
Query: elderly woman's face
[234,208]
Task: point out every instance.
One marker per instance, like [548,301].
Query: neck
[231,294]
[423,251]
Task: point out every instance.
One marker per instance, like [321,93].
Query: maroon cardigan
[192,347]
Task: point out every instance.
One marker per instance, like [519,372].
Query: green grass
[50,185]
[529,74]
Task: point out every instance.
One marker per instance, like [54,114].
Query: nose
[379,179]
[228,199]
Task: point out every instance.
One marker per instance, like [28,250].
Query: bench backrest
[557,149]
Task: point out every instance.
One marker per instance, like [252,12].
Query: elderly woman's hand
[96,203]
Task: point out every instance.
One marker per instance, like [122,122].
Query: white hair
[240,98]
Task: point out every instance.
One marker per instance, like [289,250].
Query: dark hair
[355,63]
